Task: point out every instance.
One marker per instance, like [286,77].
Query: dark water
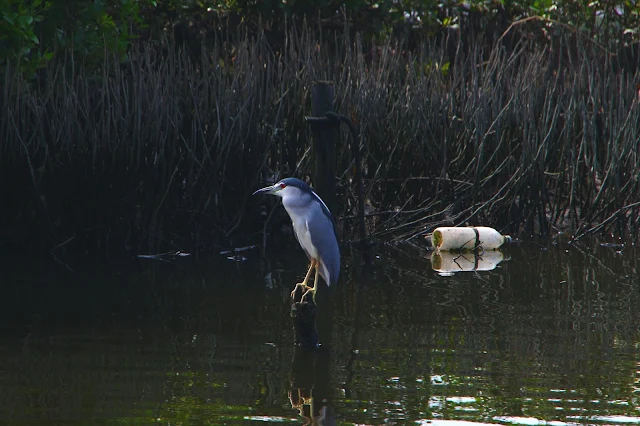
[549,336]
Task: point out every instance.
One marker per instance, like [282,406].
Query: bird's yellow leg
[315,283]
[306,279]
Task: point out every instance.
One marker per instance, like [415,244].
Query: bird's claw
[305,289]
[313,294]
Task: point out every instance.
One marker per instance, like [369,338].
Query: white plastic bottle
[467,238]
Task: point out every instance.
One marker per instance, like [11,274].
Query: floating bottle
[467,238]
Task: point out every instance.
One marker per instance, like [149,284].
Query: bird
[314,228]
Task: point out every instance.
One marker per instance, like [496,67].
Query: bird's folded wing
[323,237]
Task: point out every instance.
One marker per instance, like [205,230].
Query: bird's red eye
[282,185]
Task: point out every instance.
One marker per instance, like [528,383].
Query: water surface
[549,336]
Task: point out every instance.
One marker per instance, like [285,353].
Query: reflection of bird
[306,406]
[314,229]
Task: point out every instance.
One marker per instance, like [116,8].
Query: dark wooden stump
[303,313]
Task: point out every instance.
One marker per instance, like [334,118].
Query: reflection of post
[310,388]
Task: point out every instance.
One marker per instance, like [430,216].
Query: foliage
[18,39]
[87,27]
[32,31]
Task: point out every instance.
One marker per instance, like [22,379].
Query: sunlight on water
[529,421]
[615,419]
[270,419]
[450,423]
[578,420]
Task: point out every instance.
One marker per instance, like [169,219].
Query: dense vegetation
[135,124]
[33,32]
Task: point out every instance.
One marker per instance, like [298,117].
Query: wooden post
[324,122]
[323,146]
[303,313]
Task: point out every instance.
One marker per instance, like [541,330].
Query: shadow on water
[549,335]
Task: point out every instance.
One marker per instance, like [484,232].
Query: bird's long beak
[267,190]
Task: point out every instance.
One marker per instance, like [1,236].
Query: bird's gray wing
[323,237]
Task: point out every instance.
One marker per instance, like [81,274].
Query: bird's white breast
[302,232]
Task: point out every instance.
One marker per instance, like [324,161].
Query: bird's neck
[294,206]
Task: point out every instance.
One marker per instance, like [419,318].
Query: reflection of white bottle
[467,238]
[447,263]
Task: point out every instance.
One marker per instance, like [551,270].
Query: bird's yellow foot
[311,290]
[305,289]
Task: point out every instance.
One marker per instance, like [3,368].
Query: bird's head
[286,187]
[295,192]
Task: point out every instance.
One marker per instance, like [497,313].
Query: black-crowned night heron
[314,229]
